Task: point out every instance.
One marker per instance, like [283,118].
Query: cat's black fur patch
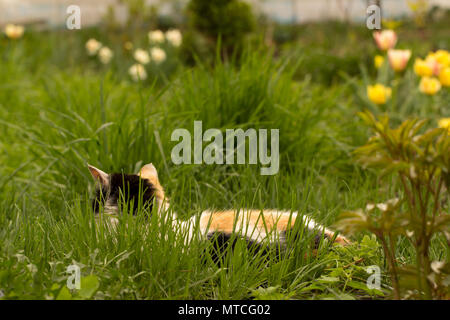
[318,238]
[126,187]
[99,199]
[221,241]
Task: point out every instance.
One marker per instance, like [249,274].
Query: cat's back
[258,225]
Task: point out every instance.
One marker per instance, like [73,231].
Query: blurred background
[52,12]
[333,31]
[140,48]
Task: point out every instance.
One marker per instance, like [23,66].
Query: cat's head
[115,187]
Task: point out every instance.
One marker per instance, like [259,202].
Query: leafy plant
[345,275]
[421,164]
[88,287]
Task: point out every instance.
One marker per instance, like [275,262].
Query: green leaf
[363,286]
[64,294]
[328,279]
[358,285]
[89,285]
[346,296]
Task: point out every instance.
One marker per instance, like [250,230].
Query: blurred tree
[419,9]
[376,2]
[231,20]
[140,14]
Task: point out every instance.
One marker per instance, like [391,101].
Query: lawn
[61,109]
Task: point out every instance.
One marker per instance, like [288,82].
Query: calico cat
[255,226]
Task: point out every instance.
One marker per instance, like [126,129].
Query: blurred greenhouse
[52,12]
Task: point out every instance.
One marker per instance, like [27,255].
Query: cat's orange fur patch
[225,221]
[229,221]
[149,173]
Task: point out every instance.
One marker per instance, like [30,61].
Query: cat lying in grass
[253,225]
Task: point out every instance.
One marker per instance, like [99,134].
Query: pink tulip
[385,39]
[433,63]
[398,59]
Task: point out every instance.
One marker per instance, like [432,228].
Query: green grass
[60,111]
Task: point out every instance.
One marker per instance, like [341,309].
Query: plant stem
[392,267]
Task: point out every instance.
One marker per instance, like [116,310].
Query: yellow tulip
[445,124]
[429,85]
[442,57]
[422,68]
[378,61]
[398,59]
[444,77]
[378,93]
[13,31]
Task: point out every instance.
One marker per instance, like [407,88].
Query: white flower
[382,206]
[393,202]
[137,72]
[158,55]
[141,56]
[412,172]
[92,47]
[174,37]
[156,36]
[13,31]
[436,266]
[105,55]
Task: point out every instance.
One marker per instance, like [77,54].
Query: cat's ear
[99,175]
[149,172]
